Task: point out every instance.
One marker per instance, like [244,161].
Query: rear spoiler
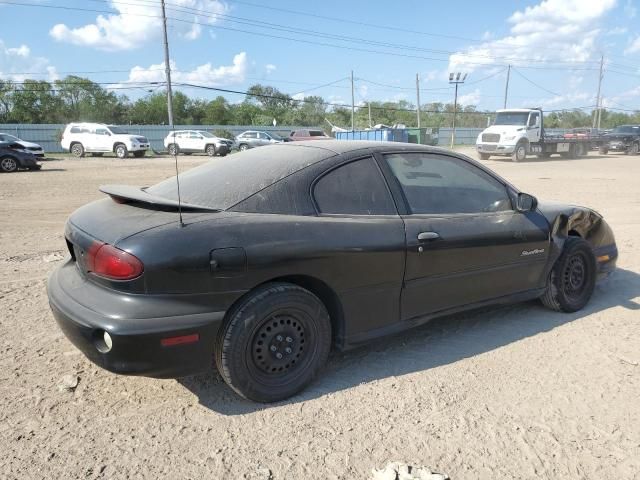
[130,193]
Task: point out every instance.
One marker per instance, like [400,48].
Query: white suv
[97,138]
[197,141]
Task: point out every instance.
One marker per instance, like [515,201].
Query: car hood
[26,144]
[503,129]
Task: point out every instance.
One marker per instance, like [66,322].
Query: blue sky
[554,46]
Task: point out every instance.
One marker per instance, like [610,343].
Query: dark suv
[625,138]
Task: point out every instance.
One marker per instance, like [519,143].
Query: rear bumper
[84,311]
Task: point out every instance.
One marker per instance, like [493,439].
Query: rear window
[223,182]
[316,133]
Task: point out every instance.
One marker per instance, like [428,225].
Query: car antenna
[167,66]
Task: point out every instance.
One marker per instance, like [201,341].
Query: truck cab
[512,133]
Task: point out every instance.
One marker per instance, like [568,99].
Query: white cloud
[472,98]
[138,21]
[560,100]
[205,74]
[17,64]
[270,68]
[560,30]
[634,47]
[617,31]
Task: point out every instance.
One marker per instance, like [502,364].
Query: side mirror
[526,202]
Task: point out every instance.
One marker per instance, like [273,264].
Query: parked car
[98,138]
[294,249]
[594,134]
[304,134]
[197,141]
[625,138]
[14,156]
[34,148]
[254,138]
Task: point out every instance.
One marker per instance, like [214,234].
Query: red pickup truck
[308,135]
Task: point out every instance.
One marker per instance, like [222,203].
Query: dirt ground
[508,393]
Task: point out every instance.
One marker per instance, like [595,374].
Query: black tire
[633,149]
[8,164]
[603,150]
[520,152]
[77,150]
[572,278]
[243,146]
[210,150]
[277,319]
[139,153]
[120,150]
[484,156]
[174,149]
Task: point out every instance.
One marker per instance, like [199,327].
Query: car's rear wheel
[603,150]
[572,278]
[121,150]
[243,147]
[174,149]
[77,150]
[210,150]
[274,342]
[8,164]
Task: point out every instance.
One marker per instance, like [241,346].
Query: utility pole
[353,105]
[369,106]
[167,68]
[454,78]
[596,116]
[506,87]
[418,98]
[600,112]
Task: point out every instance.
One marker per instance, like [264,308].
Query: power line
[534,83]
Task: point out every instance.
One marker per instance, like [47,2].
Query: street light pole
[455,79]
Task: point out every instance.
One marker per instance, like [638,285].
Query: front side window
[356,188]
[102,131]
[437,184]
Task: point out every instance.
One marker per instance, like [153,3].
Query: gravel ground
[508,392]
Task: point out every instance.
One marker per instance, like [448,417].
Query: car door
[466,244]
[103,141]
[533,127]
[363,235]
[263,139]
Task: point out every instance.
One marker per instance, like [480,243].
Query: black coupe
[287,251]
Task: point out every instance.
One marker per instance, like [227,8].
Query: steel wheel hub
[279,344]
[575,274]
[8,163]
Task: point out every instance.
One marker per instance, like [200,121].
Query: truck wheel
[581,150]
[633,149]
[520,153]
[274,342]
[603,150]
[484,156]
[572,278]
[77,150]
[121,150]
[211,150]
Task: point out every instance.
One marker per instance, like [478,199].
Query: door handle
[426,236]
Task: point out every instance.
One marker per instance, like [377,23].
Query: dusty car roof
[344,146]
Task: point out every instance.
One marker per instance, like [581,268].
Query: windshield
[221,183]
[117,130]
[275,136]
[511,118]
[206,134]
[5,137]
[627,129]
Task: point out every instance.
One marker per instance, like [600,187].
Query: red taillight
[108,261]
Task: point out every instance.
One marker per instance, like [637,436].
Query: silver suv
[254,138]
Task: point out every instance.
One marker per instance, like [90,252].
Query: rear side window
[356,188]
[316,133]
[438,184]
[76,130]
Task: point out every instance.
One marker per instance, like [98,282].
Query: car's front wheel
[121,151]
[8,164]
[243,147]
[572,278]
[274,343]
[210,150]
